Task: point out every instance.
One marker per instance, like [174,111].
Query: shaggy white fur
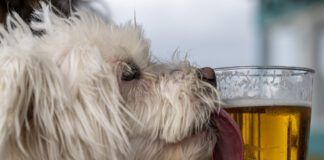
[88,90]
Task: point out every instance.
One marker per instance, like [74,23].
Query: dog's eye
[130,72]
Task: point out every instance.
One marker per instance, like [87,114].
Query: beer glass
[272,107]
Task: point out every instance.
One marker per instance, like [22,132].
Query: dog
[90,90]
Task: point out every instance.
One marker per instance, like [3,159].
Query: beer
[273,132]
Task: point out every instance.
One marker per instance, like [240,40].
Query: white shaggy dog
[88,90]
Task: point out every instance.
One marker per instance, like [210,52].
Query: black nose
[208,75]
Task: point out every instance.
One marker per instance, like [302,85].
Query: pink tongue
[229,144]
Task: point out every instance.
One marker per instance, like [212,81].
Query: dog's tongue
[229,144]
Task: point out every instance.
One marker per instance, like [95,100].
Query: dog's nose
[208,75]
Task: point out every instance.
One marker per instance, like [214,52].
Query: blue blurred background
[221,33]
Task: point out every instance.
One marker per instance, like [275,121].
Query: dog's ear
[76,46]
[32,98]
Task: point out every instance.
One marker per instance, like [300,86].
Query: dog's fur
[88,90]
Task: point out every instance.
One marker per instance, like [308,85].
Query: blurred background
[220,33]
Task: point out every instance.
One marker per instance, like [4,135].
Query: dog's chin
[200,143]
[205,135]
[219,138]
[208,132]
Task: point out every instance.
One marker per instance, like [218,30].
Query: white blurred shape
[213,32]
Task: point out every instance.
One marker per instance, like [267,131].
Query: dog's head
[173,107]
[120,95]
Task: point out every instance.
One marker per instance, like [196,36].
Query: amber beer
[273,132]
[272,107]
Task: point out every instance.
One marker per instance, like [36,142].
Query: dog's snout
[207,74]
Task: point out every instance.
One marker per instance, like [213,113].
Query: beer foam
[264,102]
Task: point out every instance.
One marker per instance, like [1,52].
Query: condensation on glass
[272,107]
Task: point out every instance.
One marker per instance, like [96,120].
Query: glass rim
[292,68]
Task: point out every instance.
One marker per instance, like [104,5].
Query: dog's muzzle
[229,144]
